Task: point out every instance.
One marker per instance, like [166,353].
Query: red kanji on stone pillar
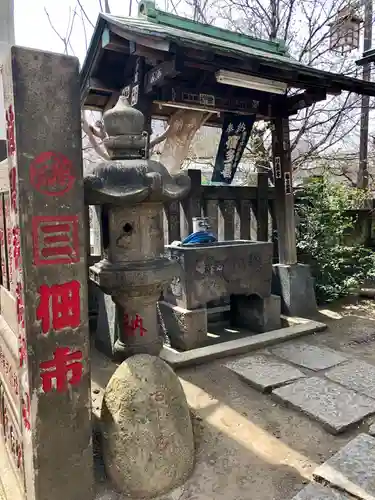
[55,239]
[51,173]
[16,247]
[11,140]
[13,188]
[59,306]
[64,369]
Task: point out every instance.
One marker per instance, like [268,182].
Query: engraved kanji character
[55,239]
[241,127]
[26,411]
[17,247]
[232,141]
[59,306]
[230,128]
[131,325]
[64,369]
[229,155]
[11,140]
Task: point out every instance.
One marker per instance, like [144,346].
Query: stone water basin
[211,271]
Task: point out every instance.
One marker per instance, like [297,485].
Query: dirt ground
[247,445]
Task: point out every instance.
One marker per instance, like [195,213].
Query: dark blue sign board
[234,137]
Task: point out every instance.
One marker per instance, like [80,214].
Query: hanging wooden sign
[234,137]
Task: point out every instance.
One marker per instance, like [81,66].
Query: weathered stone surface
[148,444]
[264,372]
[185,329]
[309,356]
[333,406]
[356,375]
[256,313]
[209,272]
[239,346]
[352,469]
[106,332]
[295,286]
[52,445]
[133,269]
[316,491]
[371,430]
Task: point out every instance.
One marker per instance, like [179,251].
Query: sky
[32,28]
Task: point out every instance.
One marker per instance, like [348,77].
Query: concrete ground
[247,445]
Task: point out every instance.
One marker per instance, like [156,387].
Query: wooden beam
[284,198]
[96,85]
[304,100]
[111,41]
[158,75]
[152,56]
[217,99]
[149,42]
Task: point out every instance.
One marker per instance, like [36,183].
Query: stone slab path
[309,356]
[316,491]
[352,469]
[264,372]
[357,375]
[334,389]
[332,405]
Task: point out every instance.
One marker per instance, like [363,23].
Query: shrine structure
[160,63]
[191,74]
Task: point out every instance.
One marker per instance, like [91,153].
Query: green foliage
[322,238]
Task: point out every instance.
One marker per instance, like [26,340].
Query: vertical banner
[48,272]
[234,137]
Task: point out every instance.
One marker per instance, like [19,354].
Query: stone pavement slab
[353,468]
[316,491]
[356,375]
[264,372]
[309,356]
[333,406]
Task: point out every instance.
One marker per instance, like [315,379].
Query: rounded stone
[148,443]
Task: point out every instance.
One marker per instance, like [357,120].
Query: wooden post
[261,207]
[284,198]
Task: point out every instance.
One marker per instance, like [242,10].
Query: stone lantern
[131,190]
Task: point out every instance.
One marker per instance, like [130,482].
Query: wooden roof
[199,51]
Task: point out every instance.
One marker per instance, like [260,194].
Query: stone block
[356,375]
[107,327]
[309,356]
[295,286]
[185,329]
[352,469]
[264,372]
[334,407]
[209,272]
[256,313]
[315,491]
[148,442]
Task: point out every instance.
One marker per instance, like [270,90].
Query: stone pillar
[47,426]
[6,40]
[133,269]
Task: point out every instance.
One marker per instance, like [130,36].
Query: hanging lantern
[344,31]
